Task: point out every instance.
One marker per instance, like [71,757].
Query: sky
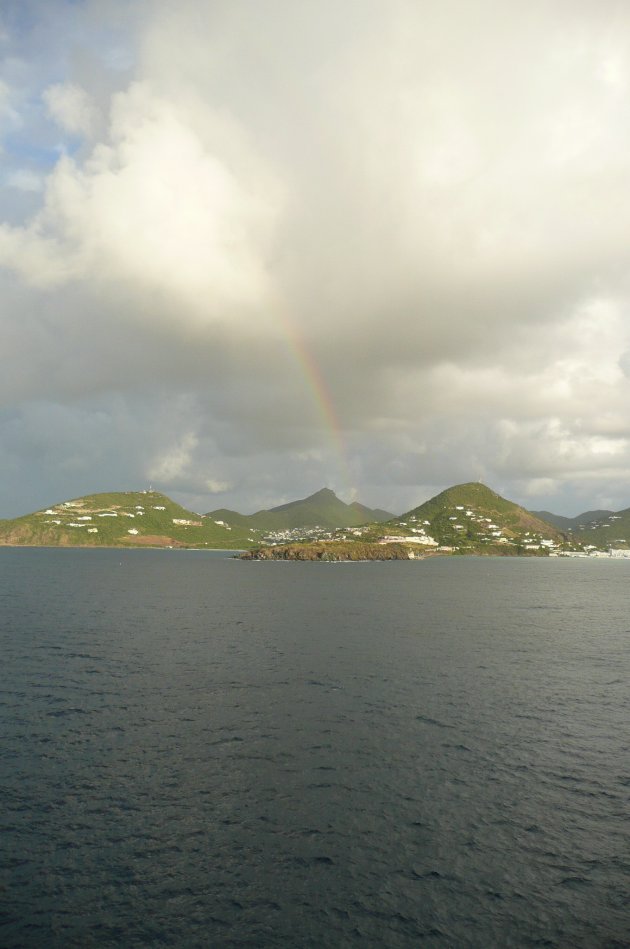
[249,250]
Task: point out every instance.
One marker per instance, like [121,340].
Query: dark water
[201,752]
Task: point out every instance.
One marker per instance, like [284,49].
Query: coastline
[228,550]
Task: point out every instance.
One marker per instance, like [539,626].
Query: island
[465,519]
[334,552]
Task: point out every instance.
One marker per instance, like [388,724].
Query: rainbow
[321,397]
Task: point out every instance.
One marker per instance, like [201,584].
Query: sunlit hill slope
[322,509]
[470,518]
[128,519]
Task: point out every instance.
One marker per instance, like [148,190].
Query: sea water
[198,751]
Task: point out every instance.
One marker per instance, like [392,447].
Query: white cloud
[71,107]
[25,180]
[157,207]
[173,462]
[218,487]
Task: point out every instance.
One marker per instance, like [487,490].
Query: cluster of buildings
[462,527]
[619,553]
[293,535]
[453,530]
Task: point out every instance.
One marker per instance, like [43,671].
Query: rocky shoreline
[333,552]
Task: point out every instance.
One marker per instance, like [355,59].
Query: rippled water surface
[202,752]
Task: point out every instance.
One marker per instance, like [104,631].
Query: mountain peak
[323,493]
[321,509]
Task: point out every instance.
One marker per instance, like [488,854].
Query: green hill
[610,530]
[471,518]
[600,529]
[466,518]
[322,509]
[123,519]
[571,523]
[368,515]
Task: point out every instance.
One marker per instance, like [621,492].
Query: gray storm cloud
[427,202]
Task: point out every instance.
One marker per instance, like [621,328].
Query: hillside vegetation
[464,519]
[322,509]
[471,518]
[571,523]
[609,530]
[122,519]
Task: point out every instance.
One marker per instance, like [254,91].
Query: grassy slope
[612,530]
[323,509]
[367,514]
[233,518]
[570,523]
[155,527]
[514,521]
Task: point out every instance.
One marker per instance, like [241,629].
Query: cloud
[25,180]
[71,107]
[173,462]
[154,207]
[417,215]
[218,487]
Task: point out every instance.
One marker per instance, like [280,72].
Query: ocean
[197,751]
